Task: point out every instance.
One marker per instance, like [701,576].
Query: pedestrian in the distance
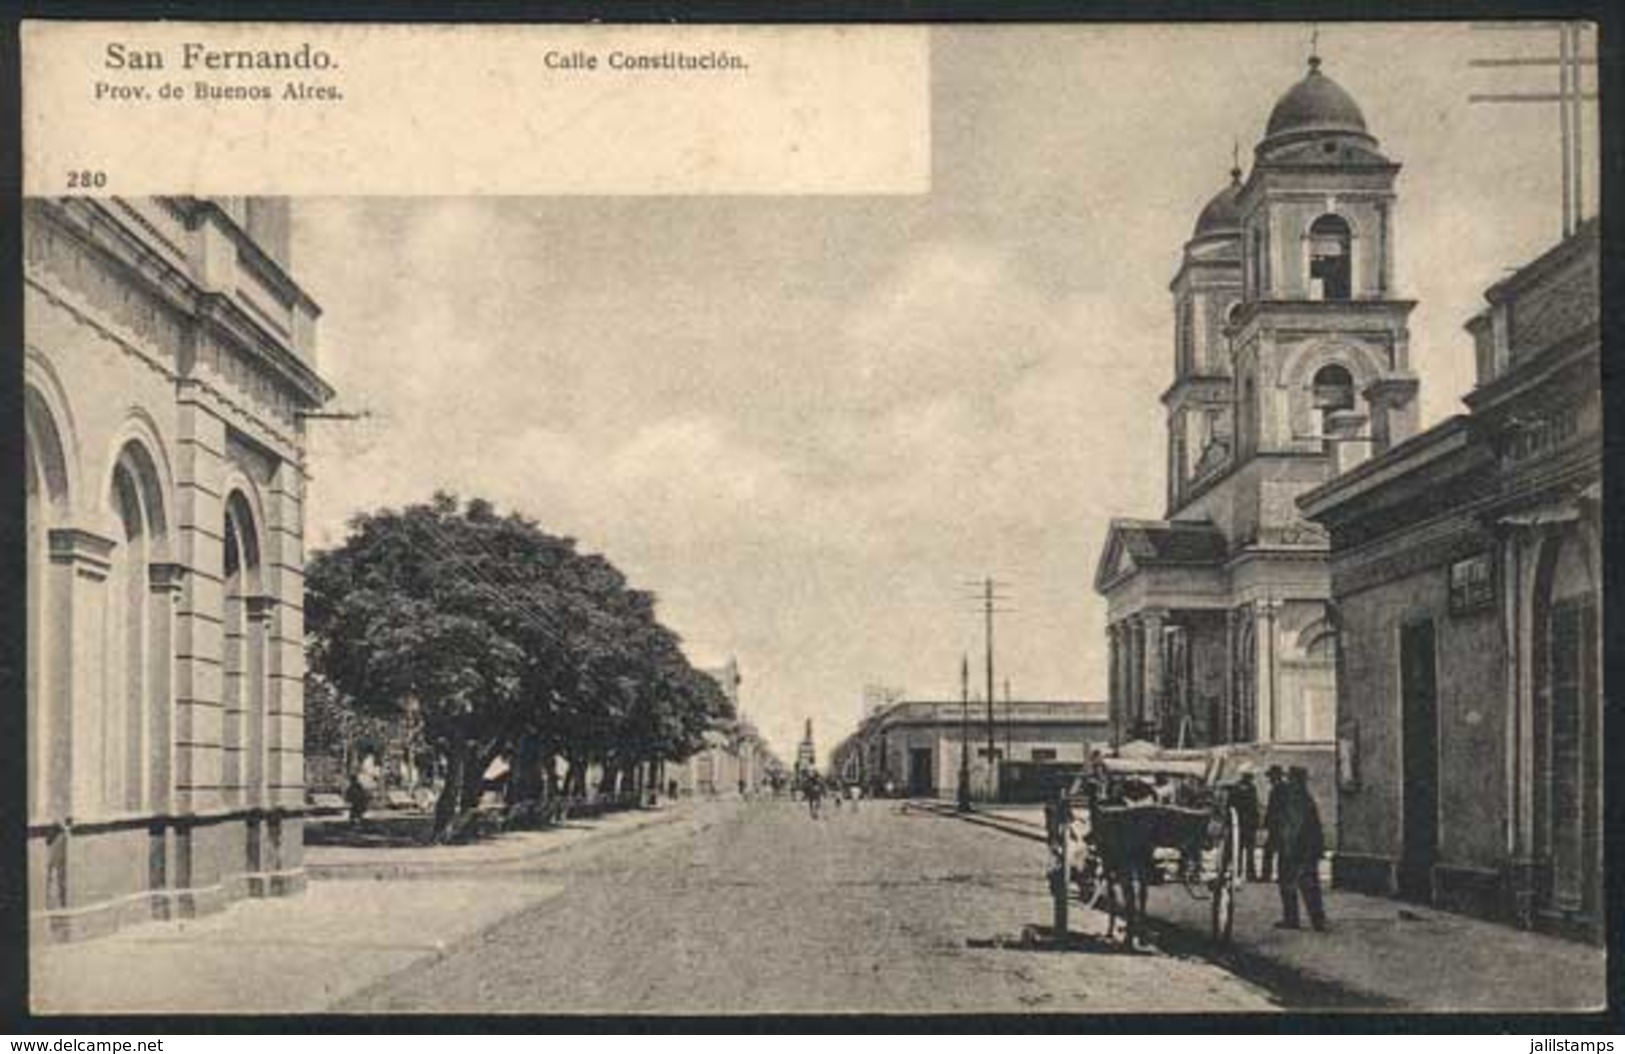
[1272,820]
[1303,842]
[813,788]
[356,797]
[1244,800]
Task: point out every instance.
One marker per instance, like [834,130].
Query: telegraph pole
[964,733]
[987,609]
[1007,718]
[990,598]
[1570,62]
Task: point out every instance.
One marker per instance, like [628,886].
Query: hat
[1273,770]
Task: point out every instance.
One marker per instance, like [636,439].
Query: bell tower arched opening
[1330,254]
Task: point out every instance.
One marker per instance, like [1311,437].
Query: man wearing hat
[1303,842]
[1244,799]
[1272,819]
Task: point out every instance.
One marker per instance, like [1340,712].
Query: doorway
[1418,691]
[1567,720]
[921,783]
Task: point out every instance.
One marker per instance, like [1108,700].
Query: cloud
[953,316]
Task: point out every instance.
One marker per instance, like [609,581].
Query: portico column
[1155,684]
[1114,687]
[1267,721]
[1136,674]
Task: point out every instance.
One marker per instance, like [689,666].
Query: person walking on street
[814,790]
[1303,842]
[1244,799]
[357,798]
[1272,820]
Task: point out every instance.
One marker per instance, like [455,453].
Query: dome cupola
[1315,106]
[1222,214]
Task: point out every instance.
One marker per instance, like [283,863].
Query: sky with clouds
[807,422]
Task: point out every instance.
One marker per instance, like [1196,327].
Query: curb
[1007,826]
[421,870]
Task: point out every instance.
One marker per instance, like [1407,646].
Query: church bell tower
[1319,340]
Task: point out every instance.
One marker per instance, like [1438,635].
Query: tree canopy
[499,635]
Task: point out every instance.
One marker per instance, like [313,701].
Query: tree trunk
[474,776]
[448,805]
[525,778]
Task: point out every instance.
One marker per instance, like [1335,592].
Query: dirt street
[756,908]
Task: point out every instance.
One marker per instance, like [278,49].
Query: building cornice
[95,226]
[1442,440]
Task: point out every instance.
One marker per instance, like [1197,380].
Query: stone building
[1467,572]
[169,360]
[915,745]
[733,754]
[1291,362]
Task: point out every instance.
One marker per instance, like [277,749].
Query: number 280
[87,179]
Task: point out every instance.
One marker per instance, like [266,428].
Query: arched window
[1257,261]
[242,641]
[1333,391]
[1186,336]
[1329,271]
[1566,721]
[123,744]
[45,471]
[1247,417]
[136,644]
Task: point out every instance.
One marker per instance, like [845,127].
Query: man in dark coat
[1272,820]
[1244,799]
[1302,843]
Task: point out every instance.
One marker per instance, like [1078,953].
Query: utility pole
[1570,62]
[1007,719]
[989,598]
[964,733]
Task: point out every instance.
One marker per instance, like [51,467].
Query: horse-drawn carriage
[1134,823]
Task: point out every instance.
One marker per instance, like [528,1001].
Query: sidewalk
[305,953]
[505,851]
[1380,953]
[1387,954]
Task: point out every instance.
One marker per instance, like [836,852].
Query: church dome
[1221,214]
[1315,104]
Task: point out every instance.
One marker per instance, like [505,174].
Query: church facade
[169,366]
[1291,363]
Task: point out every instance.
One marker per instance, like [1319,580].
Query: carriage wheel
[1223,901]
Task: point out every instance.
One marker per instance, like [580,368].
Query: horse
[1123,837]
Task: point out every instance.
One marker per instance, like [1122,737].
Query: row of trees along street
[503,641]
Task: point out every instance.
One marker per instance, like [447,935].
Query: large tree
[508,640]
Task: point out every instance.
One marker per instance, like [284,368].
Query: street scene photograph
[1154,566]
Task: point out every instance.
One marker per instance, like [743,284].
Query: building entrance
[921,773]
[1420,793]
